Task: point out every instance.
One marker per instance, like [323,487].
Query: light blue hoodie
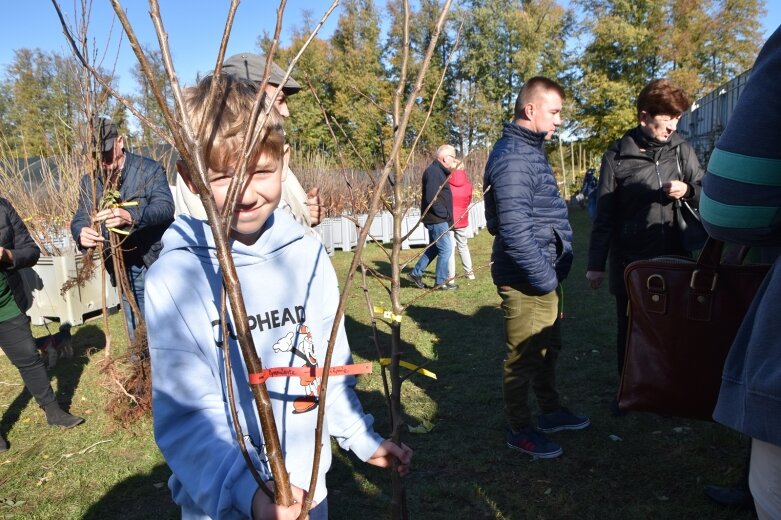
[291,294]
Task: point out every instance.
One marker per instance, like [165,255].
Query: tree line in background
[602,51]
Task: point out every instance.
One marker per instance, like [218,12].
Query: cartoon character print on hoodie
[300,343]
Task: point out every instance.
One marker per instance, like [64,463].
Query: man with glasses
[436,208]
[140,210]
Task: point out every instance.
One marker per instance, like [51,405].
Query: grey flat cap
[251,66]
[104,133]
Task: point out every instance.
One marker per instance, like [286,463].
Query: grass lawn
[638,466]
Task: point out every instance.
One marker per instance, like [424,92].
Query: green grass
[462,468]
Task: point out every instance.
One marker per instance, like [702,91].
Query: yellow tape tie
[424,427]
[422,371]
[388,315]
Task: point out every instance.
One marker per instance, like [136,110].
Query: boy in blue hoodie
[291,295]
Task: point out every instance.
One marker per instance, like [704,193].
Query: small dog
[56,346]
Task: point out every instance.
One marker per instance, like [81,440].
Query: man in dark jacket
[17,251]
[643,175]
[532,253]
[142,211]
[436,207]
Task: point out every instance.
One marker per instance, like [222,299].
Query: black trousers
[17,342]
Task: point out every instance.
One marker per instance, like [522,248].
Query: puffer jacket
[14,236]
[526,214]
[635,220]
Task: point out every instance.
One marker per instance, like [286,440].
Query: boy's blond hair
[228,120]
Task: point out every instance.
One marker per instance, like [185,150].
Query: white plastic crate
[45,281]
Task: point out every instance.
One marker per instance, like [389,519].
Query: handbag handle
[710,255]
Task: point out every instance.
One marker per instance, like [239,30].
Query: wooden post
[572,160]
[563,171]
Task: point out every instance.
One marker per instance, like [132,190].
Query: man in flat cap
[304,206]
[140,212]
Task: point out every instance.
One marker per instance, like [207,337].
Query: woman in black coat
[18,250]
[643,174]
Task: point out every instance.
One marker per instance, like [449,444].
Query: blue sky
[194,29]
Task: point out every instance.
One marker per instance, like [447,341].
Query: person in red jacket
[461,189]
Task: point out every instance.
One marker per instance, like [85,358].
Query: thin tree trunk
[563,171]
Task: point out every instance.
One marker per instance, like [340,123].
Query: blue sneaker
[533,443]
[561,420]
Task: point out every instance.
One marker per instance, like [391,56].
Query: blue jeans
[441,252]
[135,277]
[592,206]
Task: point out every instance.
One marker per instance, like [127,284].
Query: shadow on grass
[467,361]
[140,497]
[67,372]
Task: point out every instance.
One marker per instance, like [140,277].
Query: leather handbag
[683,317]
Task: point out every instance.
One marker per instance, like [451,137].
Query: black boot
[55,416]
[3,444]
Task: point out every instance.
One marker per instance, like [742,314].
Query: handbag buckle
[661,287]
[693,282]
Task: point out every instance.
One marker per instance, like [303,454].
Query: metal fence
[705,121]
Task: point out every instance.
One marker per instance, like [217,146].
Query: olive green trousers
[533,339]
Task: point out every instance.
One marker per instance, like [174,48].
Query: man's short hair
[227,122]
[660,97]
[445,149]
[530,90]
[251,66]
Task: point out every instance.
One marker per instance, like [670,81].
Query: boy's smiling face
[257,200]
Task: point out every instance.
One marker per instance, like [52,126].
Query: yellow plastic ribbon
[388,315]
[424,427]
[422,371]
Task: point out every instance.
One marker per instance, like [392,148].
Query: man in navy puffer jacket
[532,253]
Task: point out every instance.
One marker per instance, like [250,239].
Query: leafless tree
[188,141]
